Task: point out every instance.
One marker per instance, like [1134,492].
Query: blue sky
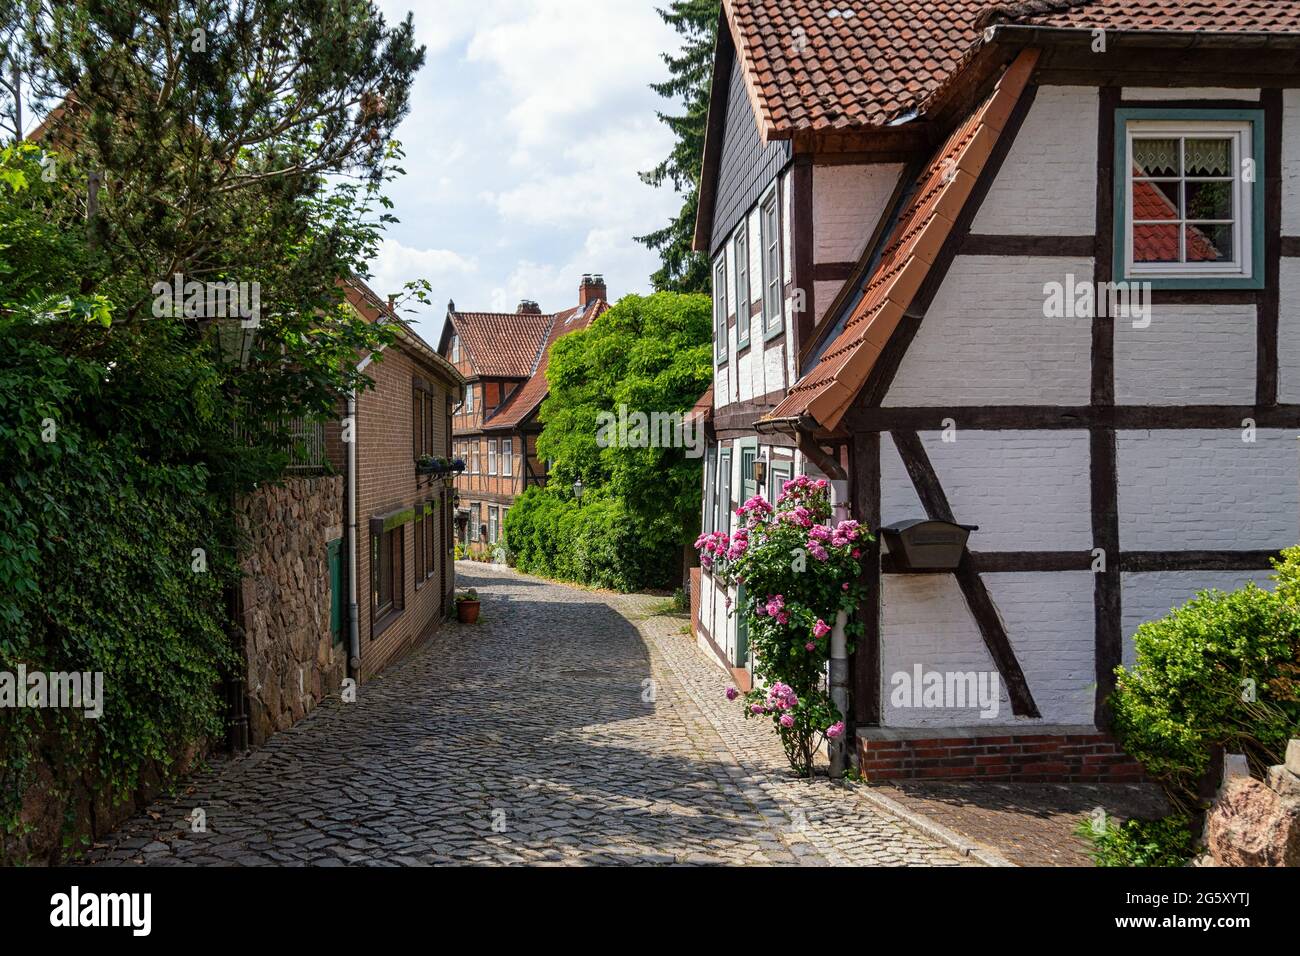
[528,125]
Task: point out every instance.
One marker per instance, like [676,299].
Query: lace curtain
[1204,157]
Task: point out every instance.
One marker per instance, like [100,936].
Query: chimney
[590,289]
[528,307]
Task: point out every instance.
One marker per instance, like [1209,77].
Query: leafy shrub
[1218,671]
[1164,842]
[598,543]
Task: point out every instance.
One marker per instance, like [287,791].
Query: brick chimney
[528,307]
[590,289]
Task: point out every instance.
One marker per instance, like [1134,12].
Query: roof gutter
[1022,35]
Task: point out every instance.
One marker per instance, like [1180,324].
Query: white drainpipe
[839,663]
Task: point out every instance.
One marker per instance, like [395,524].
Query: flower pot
[467,612]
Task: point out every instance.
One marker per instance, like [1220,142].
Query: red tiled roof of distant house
[1156,243]
[532,393]
[502,344]
[827,66]
[825,393]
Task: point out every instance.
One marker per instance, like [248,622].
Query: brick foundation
[1085,756]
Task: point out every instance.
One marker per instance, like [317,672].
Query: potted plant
[467,607]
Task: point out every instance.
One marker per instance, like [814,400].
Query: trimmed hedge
[598,543]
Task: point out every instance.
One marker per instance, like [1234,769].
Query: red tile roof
[828,66]
[825,393]
[533,392]
[502,344]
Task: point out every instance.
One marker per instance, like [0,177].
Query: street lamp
[577,491]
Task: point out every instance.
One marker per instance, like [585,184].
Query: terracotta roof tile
[502,344]
[925,223]
[826,66]
[533,392]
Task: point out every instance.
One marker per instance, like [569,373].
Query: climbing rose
[810,647]
[787,721]
[836,730]
[755,708]
[731,693]
[821,628]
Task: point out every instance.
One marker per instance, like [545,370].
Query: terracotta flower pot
[467,612]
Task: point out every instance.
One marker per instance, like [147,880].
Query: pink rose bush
[798,569]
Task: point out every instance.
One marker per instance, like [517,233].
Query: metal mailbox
[922,544]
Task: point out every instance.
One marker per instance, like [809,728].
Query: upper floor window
[720,309]
[508,457]
[770,234]
[469,399]
[455,349]
[1188,205]
[742,285]
[492,456]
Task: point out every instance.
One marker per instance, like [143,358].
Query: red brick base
[1020,758]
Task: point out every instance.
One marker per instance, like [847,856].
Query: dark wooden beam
[834,271]
[1059,417]
[982,245]
[868,709]
[1139,561]
[981,605]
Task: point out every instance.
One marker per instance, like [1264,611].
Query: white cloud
[528,126]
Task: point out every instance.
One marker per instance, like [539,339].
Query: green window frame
[1249,201]
[335,551]
[781,472]
[748,486]
[720,310]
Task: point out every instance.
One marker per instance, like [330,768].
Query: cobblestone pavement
[567,727]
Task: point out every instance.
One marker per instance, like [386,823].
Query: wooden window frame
[740,251]
[770,258]
[720,309]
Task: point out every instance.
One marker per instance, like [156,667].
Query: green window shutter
[336,590]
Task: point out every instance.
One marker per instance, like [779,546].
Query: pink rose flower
[821,628]
[787,721]
[732,693]
[836,730]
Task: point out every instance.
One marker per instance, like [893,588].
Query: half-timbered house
[1030,267]
[504,357]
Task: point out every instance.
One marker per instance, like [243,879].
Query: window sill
[381,624]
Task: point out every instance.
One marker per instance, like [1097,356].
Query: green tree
[646,355]
[691,71]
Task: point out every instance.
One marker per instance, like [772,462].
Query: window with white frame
[720,309]
[724,492]
[494,518]
[469,399]
[770,235]
[741,247]
[508,457]
[1189,199]
[492,456]
[455,349]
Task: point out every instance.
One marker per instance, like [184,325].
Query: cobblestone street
[567,727]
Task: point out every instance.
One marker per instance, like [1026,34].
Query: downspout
[354,623]
[350,538]
[838,677]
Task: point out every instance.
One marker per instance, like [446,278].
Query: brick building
[503,357]
[404,575]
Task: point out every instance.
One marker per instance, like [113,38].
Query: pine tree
[691,71]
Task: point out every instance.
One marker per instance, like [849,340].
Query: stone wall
[293,662]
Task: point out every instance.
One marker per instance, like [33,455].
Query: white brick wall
[1208,490]
[1288,339]
[1151,595]
[1290,163]
[1188,355]
[825,293]
[1049,620]
[985,341]
[925,621]
[1027,491]
[1048,185]
[847,203]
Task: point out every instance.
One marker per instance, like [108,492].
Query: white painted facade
[986,340]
